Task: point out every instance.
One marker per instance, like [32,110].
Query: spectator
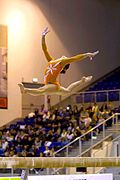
[70,135]
[53,128]
[47,151]
[4,144]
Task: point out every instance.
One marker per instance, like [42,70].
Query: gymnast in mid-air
[53,69]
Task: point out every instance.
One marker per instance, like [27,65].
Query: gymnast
[53,69]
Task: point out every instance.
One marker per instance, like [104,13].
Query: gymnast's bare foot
[21,88]
[86,79]
[91,55]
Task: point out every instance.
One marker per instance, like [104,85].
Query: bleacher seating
[109,82]
[105,89]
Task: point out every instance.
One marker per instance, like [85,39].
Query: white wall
[25,58]
[76,26]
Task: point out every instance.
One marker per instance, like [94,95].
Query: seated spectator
[76,112]
[49,135]
[9,137]
[110,106]
[86,120]
[12,153]
[70,135]
[31,114]
[95,107]
[57,135]
[101,119]
[38,142]
[53,128]
[70,126]
[83,114]
[64,134]
[46,152]
[4,144]
[6,154]
[41,154]
[52,152]
[33,150]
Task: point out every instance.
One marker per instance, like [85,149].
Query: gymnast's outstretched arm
[44,47]
[78,57]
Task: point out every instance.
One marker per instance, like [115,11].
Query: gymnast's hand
[46,30]
[91,55]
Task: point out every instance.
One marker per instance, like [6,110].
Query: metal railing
[78,143]
[108,154]
[98,96]
[80,140]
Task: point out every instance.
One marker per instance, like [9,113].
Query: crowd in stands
[42,132]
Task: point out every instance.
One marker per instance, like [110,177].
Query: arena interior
[73,136]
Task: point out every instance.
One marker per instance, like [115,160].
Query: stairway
[73,150]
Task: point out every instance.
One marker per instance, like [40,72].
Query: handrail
[118,137]
[98,91]
[95,145]
[113,140]
[56,170]
[86,133]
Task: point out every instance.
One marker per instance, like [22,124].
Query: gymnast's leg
[78,57]
[74,87]
[54,89]
[46,89]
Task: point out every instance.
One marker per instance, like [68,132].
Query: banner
[73,177]
[3,66]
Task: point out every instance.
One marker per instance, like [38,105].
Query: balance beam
[58,162]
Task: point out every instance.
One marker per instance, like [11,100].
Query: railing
[108,154]
[87,152]
[95,145]
[98,96]
[78,142]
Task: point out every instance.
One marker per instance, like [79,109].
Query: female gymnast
[53,69]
